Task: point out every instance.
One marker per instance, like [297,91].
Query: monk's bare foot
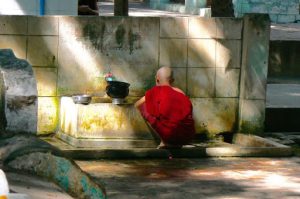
[168,146]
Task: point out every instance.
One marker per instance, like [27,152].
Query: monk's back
[173,113]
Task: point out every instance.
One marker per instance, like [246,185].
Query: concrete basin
[242,146]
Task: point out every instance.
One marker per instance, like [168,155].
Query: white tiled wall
[32,7]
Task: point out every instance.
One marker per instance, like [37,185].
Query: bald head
[164,76]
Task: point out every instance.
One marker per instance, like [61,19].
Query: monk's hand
[139,102]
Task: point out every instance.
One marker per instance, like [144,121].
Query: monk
[168,111]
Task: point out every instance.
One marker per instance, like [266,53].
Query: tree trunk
[121,8]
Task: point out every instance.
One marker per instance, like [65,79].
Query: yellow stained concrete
[102,120]
[47,115]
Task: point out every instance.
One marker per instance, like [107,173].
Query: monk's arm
[139,102]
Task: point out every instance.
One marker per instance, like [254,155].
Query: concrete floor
[209,178]
[247,178]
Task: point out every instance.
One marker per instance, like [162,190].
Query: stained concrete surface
[215,178]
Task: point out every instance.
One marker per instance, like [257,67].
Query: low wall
[71,55]
[286,11]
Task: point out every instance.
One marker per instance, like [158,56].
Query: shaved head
[164,76]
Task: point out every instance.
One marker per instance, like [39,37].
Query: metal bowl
[82,99]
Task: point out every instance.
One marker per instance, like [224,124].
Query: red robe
[170,114]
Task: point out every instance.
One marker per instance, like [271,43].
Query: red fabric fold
[170,113]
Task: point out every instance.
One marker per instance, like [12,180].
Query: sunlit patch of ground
[196,178]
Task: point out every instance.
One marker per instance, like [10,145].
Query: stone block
[21,113]
[227,82]
[173,52]
[47,115]
[200,27]
[46,81]
[16,25]
[215,115]
[16,43]
[42,25]
[201,53]
[201,82]
[252,116]
[20,94]
[229,28]
[174,27]
[180,76]
[42,50]
[228,54]
[18,75]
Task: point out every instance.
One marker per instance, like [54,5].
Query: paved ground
[209,178]
[247,178]
[283,95]
[285,31]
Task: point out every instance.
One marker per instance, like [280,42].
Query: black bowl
[117,89]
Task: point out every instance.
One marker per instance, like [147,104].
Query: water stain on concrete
[19,102]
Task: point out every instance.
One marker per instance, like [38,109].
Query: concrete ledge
[249,152]
[105,142]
